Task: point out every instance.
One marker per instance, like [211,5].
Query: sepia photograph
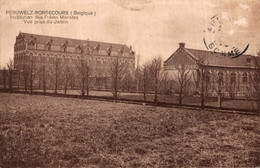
[129,83]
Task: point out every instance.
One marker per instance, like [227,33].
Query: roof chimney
[182,45]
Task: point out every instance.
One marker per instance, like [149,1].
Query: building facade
[231,77]
[46,50]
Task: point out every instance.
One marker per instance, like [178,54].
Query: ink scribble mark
[241,52]
[205,43]
[214,16]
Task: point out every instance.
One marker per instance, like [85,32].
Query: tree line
[149,79]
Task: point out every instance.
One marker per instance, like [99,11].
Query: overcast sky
[152,27]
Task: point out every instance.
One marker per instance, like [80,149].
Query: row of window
[39,58]
[77,49]
[233,77]
[74,57]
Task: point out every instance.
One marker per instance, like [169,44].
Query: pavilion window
[208,77]
[244,78]
[233,78]
[256,77]
[220,77]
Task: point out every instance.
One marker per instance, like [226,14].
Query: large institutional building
[232,76]
[45,50]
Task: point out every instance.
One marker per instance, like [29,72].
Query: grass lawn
[241,104]
[52,132]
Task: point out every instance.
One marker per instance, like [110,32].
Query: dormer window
[48,46]
[64,48]
[31,45]
[121,51]
[78,49]
[97,48]
[109,50]
[88,50]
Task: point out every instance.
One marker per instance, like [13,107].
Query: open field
[53,131]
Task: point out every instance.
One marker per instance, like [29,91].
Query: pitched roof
[217,59]
[171,59]
[58,41]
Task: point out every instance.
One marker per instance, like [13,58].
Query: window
[220,77]
[109,50]
[97,47]
[121,51]
[244,77]
[233,78]
[207,77]
[43,59]
[39,57]
[256,77]
[88,51]
[47,57]
[248,60]
[78,49]
[64,48]
[48,47]
[31,45]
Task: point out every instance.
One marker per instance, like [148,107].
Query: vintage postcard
[129,83]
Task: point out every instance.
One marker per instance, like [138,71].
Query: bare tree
[57,74]
[232,90]
[219,86]
[43,77]
[155,69]
[128,82]
[25,73]
[203,88]
[10,67]
[85,73]
[73,78]
[166,84]
[182,82]
[32,73]
[138,74]
[98,82]
[4,77]
[19,77]
[117,76]
[255,82]
[67,75]
[145,79]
